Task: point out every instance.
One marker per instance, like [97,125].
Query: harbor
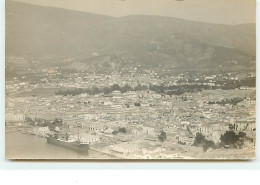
[34,147]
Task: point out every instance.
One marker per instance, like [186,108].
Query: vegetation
[182,143]
[201,141]
[137,104]
[161,89]
[122,129]
[232,101]
[162,137]
[167,90]
[232,139]
[229,84]
[44,123]
[115,132]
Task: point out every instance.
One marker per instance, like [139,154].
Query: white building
[244,125]
[14,117]
[84,138]
[124,148]
[43,130]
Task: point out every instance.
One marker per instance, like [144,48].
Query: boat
[75,145]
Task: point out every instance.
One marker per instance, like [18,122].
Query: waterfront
[34,147]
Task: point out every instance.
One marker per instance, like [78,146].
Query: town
[138,114]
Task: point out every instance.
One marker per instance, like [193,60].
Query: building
[73,122]
[84,138]
[137,131]
[244,125]
[109,132]
[87,138]
[124,148]
[14,117]
[43,130]
[96,127]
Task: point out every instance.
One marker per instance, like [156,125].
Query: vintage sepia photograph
[130,79]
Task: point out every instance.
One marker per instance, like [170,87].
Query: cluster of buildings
[128,124]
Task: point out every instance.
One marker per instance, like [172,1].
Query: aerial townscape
[165,96]
[139,116]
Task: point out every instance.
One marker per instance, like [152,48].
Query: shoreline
[216,155]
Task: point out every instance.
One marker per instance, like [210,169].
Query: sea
[24,146]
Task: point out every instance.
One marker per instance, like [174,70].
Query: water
[23,146]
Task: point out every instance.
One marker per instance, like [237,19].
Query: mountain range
[80,40]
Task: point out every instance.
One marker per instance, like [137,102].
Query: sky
[211,11]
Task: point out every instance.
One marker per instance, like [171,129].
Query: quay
[106,153]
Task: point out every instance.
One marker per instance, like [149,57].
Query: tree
[199,139]
[240,143]
[122,129]
[162,137]
[57,122]
[29,121]
[208,144]
[233,139]
[140,87]
[115,87]
[115,132]
[137,104]
[95,90]
[229,138]
[126,88]
[107,90]
[241,135]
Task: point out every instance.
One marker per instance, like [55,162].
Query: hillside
[45,31]
[54,35]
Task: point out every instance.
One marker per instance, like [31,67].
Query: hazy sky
[213,11]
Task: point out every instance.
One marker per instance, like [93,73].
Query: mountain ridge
[54,34]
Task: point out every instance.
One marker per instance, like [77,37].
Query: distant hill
[53,34]
[45,31]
